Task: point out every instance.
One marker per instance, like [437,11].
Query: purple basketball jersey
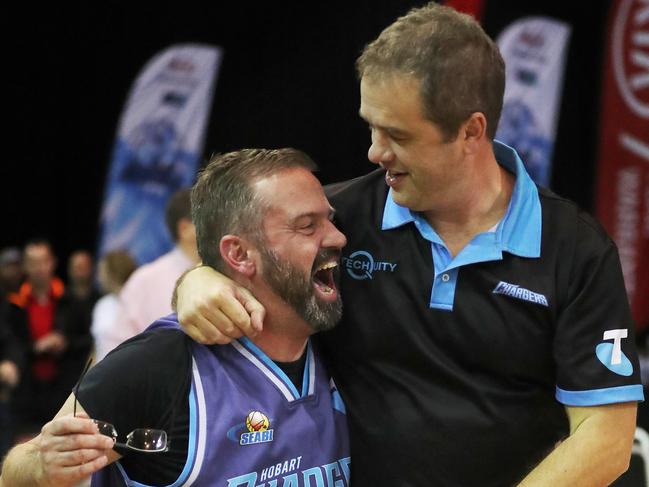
[250,427]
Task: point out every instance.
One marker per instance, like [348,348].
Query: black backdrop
[287,79]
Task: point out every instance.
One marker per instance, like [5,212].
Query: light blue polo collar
[519,231]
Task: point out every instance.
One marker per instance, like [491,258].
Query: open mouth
[324,279]
[393,177]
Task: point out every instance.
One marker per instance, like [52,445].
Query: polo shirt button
[445,277]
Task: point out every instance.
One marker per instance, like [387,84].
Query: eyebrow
[391,130]
[314,214]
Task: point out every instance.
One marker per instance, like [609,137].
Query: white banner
[159,143]
[534,50]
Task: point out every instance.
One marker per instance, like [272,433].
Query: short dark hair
[119,265]
[459,67]
[178,207]
[223,200]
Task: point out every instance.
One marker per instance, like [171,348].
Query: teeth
[329,265]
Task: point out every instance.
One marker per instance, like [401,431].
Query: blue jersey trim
[191,450]
[597,397]
[518,233]
[192,440]
[272,366]
[337,402]
[306,379]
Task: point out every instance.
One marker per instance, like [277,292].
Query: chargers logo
[258,430]
[515,291]
[361,265]
[611,354]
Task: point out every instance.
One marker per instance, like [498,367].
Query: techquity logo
[361,265]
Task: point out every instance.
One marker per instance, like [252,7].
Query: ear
[236,252]
[474,131]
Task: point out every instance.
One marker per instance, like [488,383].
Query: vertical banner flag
[534,50]
[159,143]
[623,188]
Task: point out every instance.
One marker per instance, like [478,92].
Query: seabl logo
[258,432]
[360,265]
[611,354]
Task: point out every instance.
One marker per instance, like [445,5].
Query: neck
[278,347]
[480,203]
[285,333]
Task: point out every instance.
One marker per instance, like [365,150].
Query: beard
[295,288]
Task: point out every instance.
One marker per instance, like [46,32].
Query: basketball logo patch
[258,426]
[257,421]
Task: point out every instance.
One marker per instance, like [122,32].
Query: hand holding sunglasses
[145,440]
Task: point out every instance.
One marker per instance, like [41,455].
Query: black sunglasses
[144,440]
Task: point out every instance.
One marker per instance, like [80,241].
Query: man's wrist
[179,281]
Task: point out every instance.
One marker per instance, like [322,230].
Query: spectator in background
[146,296]
[10,359]
[12,355]
[80,274]
[74,316]
[11,270]
[113,271]
[39,394]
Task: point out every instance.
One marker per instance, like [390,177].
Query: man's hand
[214,309]
[70,449]
[53,343]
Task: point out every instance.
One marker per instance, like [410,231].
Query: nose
[379,151]
[334,238]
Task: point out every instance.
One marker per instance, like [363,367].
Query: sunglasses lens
[106,429]
[145,439]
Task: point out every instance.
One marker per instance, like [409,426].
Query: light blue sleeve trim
[192,440]
[597,397]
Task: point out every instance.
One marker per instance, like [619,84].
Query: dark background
[287,79]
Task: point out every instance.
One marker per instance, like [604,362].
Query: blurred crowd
[49,329]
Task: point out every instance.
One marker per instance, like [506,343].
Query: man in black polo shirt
[486,337]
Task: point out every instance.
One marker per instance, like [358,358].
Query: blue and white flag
[534,50]
[158,147]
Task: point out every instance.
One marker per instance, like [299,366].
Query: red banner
[471,7]
[623,192]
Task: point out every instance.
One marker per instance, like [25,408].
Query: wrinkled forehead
[391,98]
[292,192]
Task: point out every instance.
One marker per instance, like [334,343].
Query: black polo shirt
[455,371]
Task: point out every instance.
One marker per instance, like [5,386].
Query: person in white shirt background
[113,271]
[146,296]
